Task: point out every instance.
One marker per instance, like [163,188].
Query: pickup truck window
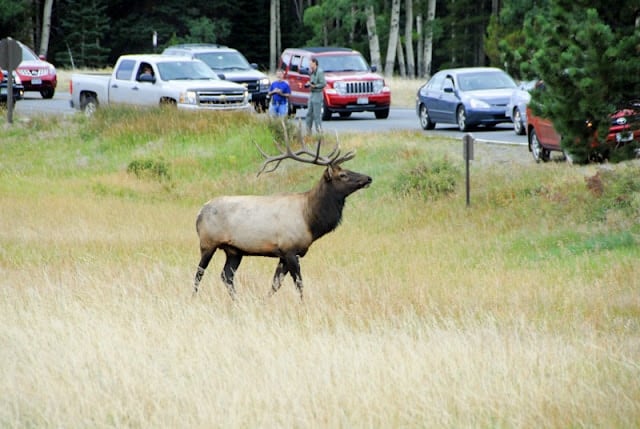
[125,69]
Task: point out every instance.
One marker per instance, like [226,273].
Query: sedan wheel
[461,116]
[425,119]
[539,153]
[518,125]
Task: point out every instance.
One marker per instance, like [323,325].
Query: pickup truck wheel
[89,105]
[382,114]
[47,93]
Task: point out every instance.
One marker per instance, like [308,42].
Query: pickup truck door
[125,88]
[121,83]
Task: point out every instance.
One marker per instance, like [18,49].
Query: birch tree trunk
[372,34]
[394,29]
[428,38]
[408,39]
[420,47]
[401,61]
[278,32]
[46,28]
[273,48]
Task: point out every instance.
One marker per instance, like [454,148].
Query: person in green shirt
[314,106]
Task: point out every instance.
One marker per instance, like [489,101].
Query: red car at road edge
[543,138]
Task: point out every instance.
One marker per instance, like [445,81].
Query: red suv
[37,74]
[352,86]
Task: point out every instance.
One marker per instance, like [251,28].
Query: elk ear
[328,173]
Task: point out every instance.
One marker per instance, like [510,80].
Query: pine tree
[85,25]
[589,69]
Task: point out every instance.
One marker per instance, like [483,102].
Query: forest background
[586,51]
[412,38]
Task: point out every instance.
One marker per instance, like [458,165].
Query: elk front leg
[293,266]
[281,271]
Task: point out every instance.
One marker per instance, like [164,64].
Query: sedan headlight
[478,104]
[16,78]
[188,97]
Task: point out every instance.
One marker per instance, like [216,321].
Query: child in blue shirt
[279,92]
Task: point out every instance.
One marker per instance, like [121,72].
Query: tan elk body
[280,226]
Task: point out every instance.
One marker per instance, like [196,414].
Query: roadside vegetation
[521,310]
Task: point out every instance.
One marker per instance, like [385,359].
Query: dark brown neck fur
[323,211]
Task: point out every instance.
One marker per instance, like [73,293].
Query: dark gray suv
[230,65]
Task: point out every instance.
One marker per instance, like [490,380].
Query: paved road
[399,119]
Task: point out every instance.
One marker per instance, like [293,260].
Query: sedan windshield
[486,80]
[185,70]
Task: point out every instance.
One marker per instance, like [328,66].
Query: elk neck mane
[323,210]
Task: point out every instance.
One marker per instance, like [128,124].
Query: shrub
[429,180]
[149,168]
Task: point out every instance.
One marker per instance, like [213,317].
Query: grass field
[522,310]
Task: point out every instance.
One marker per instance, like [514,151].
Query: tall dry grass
[418,313]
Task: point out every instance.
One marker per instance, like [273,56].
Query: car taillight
[70,87]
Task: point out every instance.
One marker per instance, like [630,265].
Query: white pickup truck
[179,81]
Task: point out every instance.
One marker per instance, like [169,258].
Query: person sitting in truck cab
[146,74]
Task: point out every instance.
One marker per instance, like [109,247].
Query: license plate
[625,136]
[36,81]
[363,100]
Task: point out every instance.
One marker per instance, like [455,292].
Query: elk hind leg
[205,258]
[229,271]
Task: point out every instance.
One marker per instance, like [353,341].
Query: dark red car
[543,138]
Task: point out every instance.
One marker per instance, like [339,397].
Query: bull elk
[278,226]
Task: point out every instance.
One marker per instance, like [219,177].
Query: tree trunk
[46,28]
[352,30]
[372,34]
[273,28]
[408,39]
[428,38]
[401,61]
[420,47]
[394,29]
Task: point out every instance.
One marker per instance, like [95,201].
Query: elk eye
[343,175]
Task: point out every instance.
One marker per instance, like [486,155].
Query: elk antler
[304,154]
